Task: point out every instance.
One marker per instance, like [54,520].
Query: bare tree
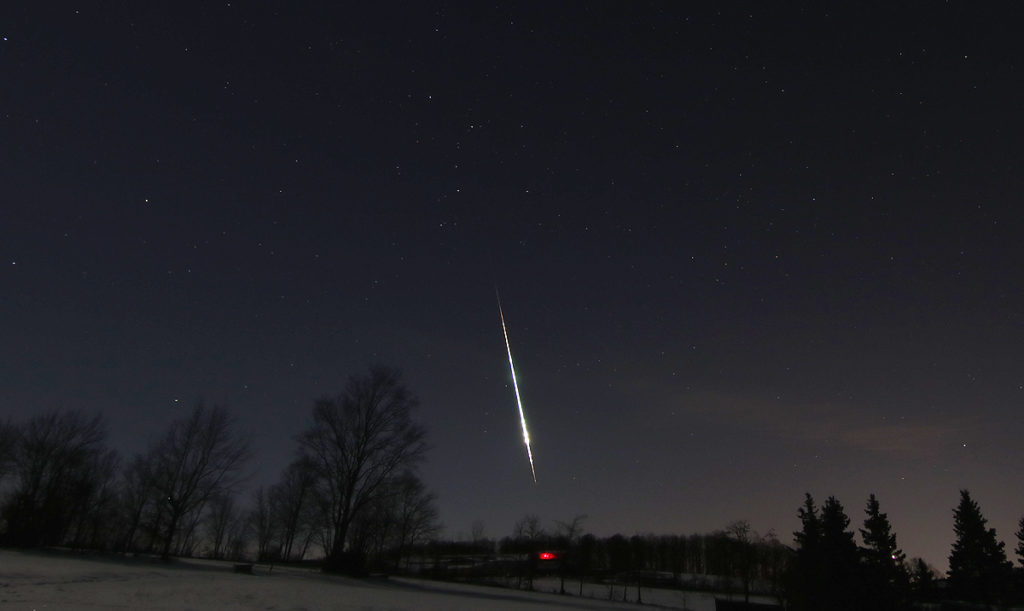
[199,456]
[571,531]
[775,560]
[527,533]
[95,503]
[414,514]
[292,504]
[237,540]
[54,458]
[137,500]
[220,521]
[477,532]
[528,528]
[262,522]
[358,441]
[370,532]
[8,434]
[745,554]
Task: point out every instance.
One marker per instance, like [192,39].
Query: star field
[743,253]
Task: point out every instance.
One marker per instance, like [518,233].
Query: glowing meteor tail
[515,386]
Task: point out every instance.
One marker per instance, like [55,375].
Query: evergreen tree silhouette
[839,559]
[806,585]
[885,573]
[1020,542]
[922,580]
[978,569]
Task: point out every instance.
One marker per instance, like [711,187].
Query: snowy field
[63,581]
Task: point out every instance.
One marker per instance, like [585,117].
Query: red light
[547,556]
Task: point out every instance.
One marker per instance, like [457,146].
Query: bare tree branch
[199,456]
[358,442]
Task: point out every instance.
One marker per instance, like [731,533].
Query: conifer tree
[879,540]
[1020,542]
[803,580]
[839,559]
[808,538]
[978,569]
[922,579]
[885,570]
[825,573]
[834,523]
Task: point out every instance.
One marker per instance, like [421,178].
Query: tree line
[826,567]
[830,570]
[352,499]
[735,559]
[351,495]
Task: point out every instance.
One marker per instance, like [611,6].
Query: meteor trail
[515,385]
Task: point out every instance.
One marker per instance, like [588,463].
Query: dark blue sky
[743,253]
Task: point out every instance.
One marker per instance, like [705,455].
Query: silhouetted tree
[839,557]
[476,532]
[884,567]
[618,554]
[527,535]
[528,528]
[370,532]
[94,503]
[775,559]
[570,532]
[414,514]
[199,457]
[825,573]
[1020,542]
[669,553]
[8,435]
[923,579]
[808,538]
[978,569]
[137,497]
[293,508]
[745,553]
[220,522]
[620,560]
[262,524]
[804,585]
[57,461]
[237,540]
[638,562]
[695,558]
[586,557]
[402,516]
[358,442]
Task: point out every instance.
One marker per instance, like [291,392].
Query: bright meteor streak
[515,385]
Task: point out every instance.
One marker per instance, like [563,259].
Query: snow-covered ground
[56,580]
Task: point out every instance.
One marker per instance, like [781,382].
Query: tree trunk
[336,561]
[165,555]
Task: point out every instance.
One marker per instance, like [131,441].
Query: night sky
[742,252]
